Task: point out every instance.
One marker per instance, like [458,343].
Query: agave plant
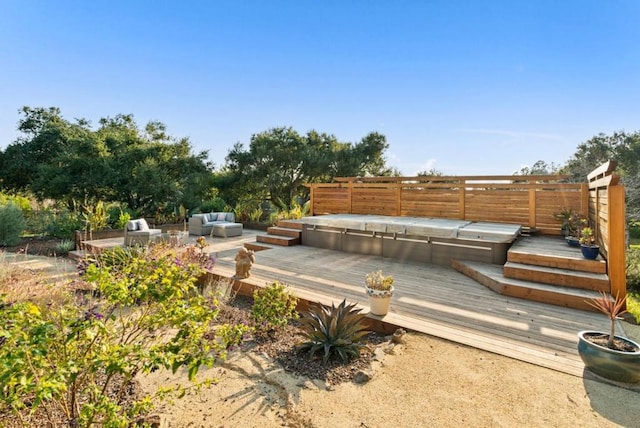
[333,331]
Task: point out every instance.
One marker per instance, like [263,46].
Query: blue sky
[465,87]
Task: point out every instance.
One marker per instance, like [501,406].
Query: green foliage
[280,161]
[20,201]
[79,358]
[12,224]
[96,216]
[212,206]
[63,247]
[231,336]
[273,307]
[336,331]
[633,269]
[634,230]
[60,223]
[60,160]
[633,305]
[256,215]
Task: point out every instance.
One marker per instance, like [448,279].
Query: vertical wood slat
[462,188]
[532,207]
[398,199]
[616,256]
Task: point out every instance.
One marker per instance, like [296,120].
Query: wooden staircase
[543,269]
[286,234]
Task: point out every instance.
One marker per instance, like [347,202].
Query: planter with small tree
[612,357]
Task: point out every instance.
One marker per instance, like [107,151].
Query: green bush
[21,202]
[148,316]
[211,206]
[273,307]
[63,247]
[12,224]
[336,331]
[633,269]
[634,230]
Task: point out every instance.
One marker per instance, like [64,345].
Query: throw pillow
[132,225]
[142,224]
[222,217]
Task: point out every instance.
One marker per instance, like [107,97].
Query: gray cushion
[132,225]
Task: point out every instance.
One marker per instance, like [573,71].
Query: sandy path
[425,382]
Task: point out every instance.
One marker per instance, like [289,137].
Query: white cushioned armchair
[214,224]
[137,232]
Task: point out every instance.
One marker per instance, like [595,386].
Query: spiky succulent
[338,331]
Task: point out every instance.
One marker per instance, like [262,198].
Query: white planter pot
[379,301]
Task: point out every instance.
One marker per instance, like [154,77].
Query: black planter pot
[590,252]
[609,363]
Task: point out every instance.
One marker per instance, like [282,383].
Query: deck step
[284,231]
[536,251]
[291,224]
[557,276]
[77,255]
[492,276]
[283,241]
[257,246]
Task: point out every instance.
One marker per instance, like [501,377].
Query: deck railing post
[616,252]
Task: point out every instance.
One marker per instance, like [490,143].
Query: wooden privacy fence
[532,201]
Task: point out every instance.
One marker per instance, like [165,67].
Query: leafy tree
[539,168]
[622,147]
[144,168]
[279,161]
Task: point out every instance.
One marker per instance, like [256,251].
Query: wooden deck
[431,299]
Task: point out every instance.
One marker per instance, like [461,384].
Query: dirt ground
[424,382]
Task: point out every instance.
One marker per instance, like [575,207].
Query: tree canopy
[280,160]
[62,160]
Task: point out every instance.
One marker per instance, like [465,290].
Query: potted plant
[379,289]
[590,250]
[570,226]
[613,357]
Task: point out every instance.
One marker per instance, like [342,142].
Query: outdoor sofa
[221,224]
[137,232]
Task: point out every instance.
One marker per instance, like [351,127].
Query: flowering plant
[377,281]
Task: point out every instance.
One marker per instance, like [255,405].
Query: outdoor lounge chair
[137,232]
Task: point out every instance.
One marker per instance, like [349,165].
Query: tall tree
[147,169]
[279,161]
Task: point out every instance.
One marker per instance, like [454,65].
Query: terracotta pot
[615,365]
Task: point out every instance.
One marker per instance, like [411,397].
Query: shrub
[213,205]
[12,224]
[96,216]
[55,223]
[63,247]
[273,307]
[231,336]
[80,360]
[633,269]
[333,331]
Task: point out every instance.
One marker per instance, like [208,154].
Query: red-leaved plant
[612,308]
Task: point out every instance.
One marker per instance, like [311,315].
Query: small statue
[244,260]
